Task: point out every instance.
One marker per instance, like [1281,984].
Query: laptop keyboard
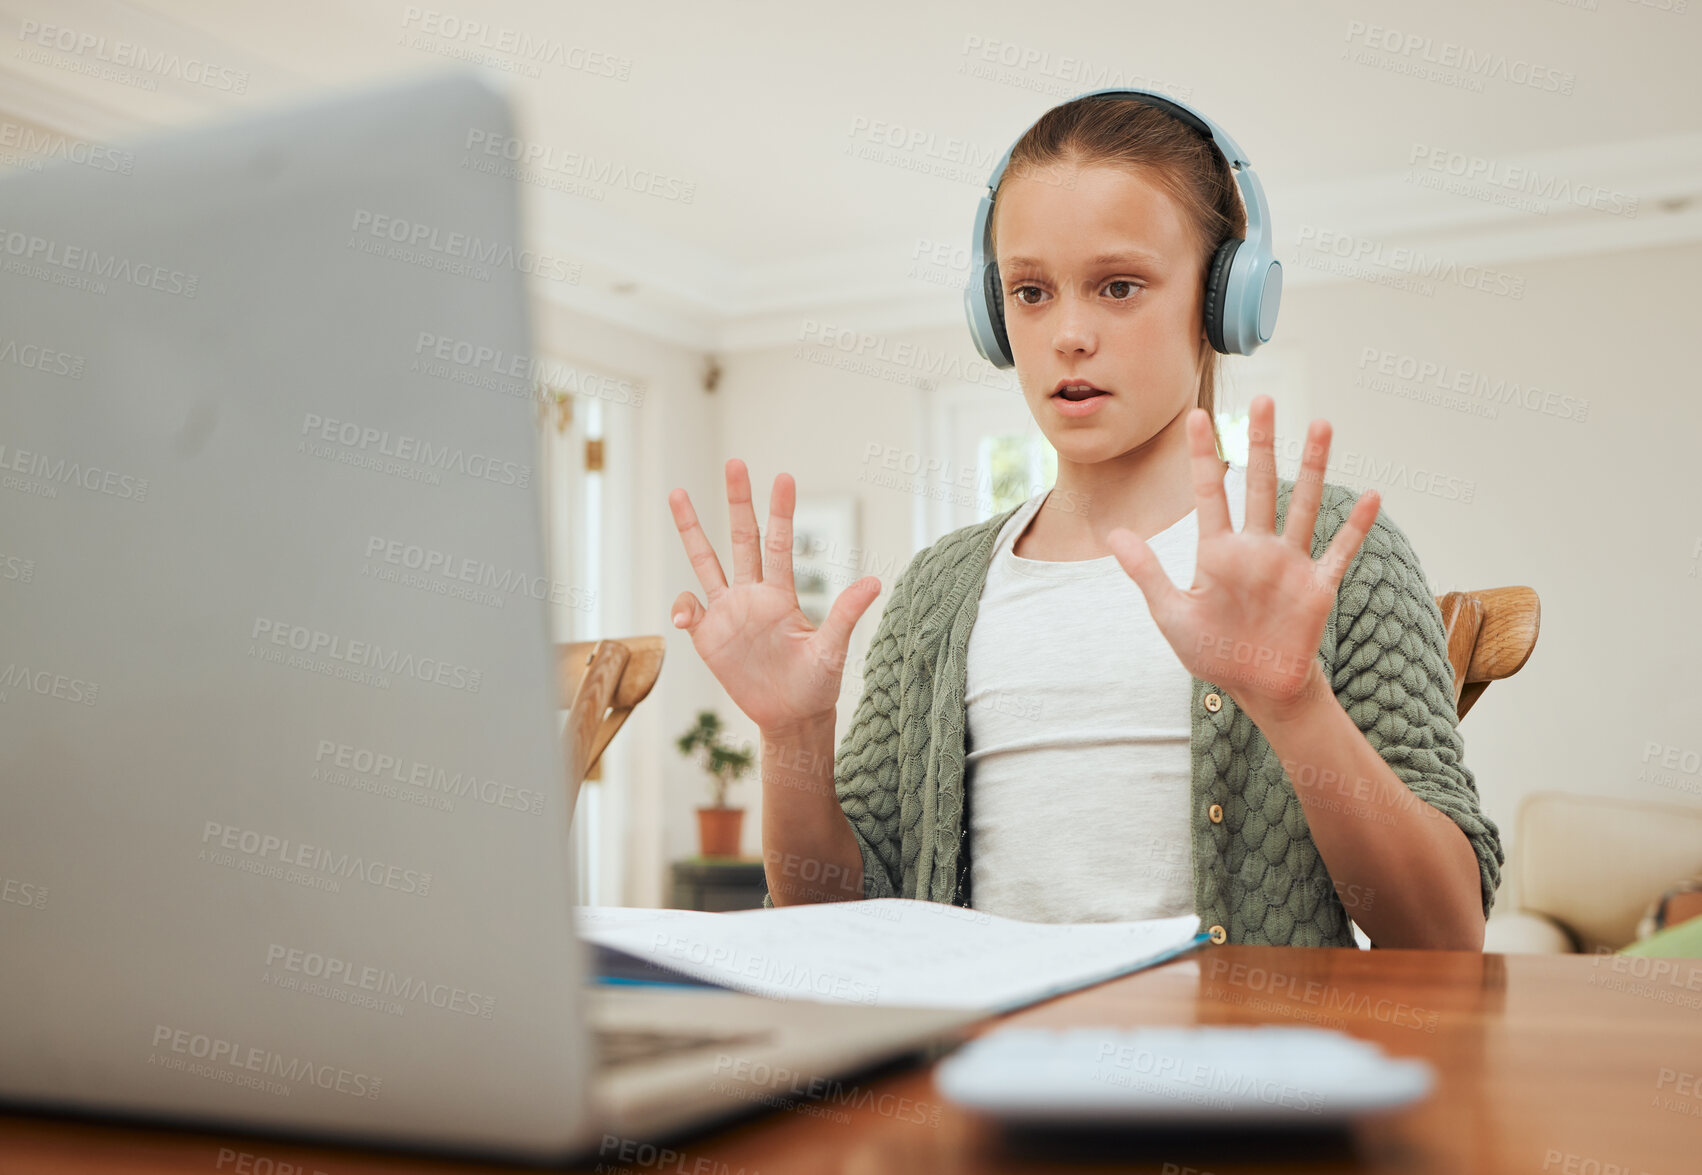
[617,1047]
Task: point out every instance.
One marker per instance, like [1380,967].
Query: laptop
[283,840]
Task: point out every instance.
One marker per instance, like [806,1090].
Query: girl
[1050,729]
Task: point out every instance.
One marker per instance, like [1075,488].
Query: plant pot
[718,831]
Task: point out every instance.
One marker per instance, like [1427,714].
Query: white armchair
[1587,867]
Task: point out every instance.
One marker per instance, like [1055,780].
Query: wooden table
[1576,1065]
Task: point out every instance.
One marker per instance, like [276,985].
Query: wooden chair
[601,681]
[1491,633]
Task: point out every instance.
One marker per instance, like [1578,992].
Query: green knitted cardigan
[899,770]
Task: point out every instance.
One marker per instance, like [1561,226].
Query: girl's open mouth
[1078,397]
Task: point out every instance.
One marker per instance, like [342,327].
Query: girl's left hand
[1253,618]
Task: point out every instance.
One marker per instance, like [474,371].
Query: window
[1232,435]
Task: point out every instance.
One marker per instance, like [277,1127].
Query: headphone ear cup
[996,308]
[1217,291]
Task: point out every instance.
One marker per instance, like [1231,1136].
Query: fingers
[1346,542]
[1261,467]
[1144,568]
[747,550]
[698,550]
[686,612]
[1208,472]
[835,631]
[777,550]
[1308,489]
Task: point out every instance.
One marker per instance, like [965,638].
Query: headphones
[1243,281]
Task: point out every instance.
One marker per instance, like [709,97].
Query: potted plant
[718,826]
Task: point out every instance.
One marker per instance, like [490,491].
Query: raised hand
[756,640]
[1253,618]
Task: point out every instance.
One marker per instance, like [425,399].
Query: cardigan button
[1214,703]
[1216,813]
[1218,935]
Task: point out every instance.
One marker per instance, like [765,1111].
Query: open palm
[776,666]
[1256,611]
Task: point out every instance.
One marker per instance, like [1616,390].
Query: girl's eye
[1122,290]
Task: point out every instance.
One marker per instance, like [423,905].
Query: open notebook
[883,951]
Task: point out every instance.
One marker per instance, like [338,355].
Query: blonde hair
[1123,132]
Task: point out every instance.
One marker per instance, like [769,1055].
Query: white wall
[1600,516]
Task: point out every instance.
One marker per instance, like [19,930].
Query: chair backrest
[601,681]
[1491,633]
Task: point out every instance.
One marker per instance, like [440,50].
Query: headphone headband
[1243,281]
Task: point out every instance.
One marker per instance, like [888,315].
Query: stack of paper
[884,952]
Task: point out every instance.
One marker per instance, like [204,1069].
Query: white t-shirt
[1078,763]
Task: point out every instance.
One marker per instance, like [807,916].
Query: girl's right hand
[754,637]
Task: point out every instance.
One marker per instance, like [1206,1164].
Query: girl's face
[1102,285]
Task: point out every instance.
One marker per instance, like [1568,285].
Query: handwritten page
[886,952]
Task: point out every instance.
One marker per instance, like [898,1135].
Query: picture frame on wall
[824,550]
